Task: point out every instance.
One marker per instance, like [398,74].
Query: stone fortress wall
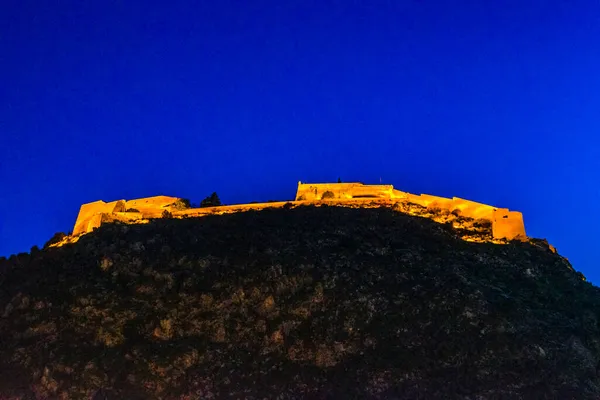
[506,224]
[315,191]
[91,214]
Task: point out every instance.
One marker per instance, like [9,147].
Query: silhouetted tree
[167,214]
[211,201]
[339,180]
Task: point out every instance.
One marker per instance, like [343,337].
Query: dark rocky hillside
[323,303]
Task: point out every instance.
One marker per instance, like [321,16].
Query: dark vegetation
[182,204]
[296,303]
[328,195]
[57,237]
[211,201]
[186,203]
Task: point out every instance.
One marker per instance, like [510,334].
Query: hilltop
[305,302]
[505,224]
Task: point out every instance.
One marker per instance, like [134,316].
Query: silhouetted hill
[296,303]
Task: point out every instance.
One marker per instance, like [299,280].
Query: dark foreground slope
[303,303]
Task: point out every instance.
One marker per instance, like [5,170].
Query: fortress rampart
[316,191]
[506,224]
[91,214]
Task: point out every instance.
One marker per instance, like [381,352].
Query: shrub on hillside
[57,237]
[211,201]
[483,223]
[182,204]
[435,210]
[328,195]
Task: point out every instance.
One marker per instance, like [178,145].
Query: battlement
[506,224]
[91,214]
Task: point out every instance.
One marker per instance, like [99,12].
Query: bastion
[506,224]
[91,215]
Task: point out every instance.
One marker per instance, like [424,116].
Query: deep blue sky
[496,102]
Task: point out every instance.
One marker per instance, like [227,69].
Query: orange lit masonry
[505,224]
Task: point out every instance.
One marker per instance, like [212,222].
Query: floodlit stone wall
[315,191]
[151,205]
[90,214]
[505,223]
[87,218]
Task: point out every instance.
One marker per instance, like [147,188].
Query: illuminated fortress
[505,224]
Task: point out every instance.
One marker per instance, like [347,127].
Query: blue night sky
[496,102]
